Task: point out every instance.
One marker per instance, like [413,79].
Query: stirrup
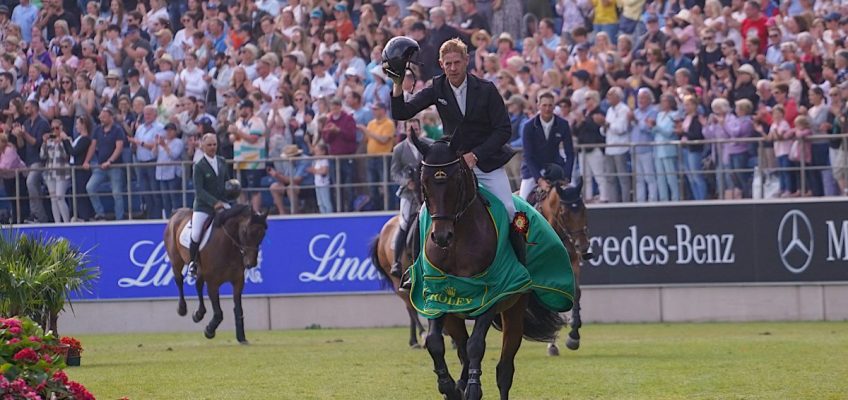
[405,281]
[396,270]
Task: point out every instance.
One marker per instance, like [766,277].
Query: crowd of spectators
[99,85]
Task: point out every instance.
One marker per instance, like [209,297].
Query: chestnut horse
[462,242]
[382,257]
[232,247]
[563,208]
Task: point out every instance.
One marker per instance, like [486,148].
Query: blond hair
[453,46]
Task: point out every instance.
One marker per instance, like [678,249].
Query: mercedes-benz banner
[744,242]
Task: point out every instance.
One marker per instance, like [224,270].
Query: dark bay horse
[462,242]
[232,247]
[563,208]
[382,256]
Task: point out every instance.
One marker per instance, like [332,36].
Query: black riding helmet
[232,189]
[397,54]
[553,173]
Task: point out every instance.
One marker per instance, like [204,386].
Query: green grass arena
[792,360]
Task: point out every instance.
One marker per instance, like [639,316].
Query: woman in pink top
[10,163]
[781,134]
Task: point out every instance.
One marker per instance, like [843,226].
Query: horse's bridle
[241,248]
[544,194]
[462,192]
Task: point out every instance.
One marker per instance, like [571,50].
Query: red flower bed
[32,363]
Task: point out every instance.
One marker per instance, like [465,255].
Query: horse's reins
[570,233]
[241,248]
[462,194]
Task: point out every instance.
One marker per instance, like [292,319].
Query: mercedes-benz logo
[796,242]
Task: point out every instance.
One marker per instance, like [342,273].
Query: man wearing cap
[134,88]
[379,139]
[24,15]
[350,59]
[209,174]
[343,24]
[744,87]
[248,138]
[475,120]
[289,176]
[653,34]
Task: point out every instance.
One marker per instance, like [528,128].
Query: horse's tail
[374,253]
[540,324]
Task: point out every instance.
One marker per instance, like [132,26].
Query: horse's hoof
[196,317]
[181,310]
[455,395]
[572,344]
[553,350]
[473,392]
[208,334]
[415,346]
[242,342]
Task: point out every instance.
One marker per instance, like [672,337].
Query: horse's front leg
[476,351]
[455,327]
[436,347]
[413,328]
[217,314]
[201,308]
[573,340]
[238,287]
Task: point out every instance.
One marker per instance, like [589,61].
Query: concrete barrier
[601,304]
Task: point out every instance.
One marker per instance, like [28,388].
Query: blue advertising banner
[298,256]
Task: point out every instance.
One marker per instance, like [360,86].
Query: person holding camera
[211,174]
[58,174]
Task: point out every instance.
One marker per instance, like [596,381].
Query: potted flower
[74,351]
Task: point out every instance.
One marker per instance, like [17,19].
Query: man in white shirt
[267,84]
[144,143]
[617,133]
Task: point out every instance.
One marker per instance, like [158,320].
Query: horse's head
[251,232]
[574,214]
[448,186]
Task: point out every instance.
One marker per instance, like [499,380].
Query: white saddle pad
[185,236]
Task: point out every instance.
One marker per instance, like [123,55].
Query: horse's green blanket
[548,273]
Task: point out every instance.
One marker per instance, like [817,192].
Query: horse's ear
[422,147]
[263,213]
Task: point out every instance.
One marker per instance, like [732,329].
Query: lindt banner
[770,242]
[298,256]
[754,242]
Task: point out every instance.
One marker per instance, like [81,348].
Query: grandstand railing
[387,187]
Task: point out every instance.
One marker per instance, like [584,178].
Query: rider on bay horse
[541,140]
[472,111]
[212,189]
[405,161]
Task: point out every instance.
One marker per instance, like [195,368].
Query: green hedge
[38,274]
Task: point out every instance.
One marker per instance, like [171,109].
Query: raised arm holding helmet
[472,112]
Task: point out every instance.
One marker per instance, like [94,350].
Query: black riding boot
[400,245]
[519,244]
[193,249]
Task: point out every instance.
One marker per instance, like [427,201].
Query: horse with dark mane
[233,245]
[563,208]
[463,241]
